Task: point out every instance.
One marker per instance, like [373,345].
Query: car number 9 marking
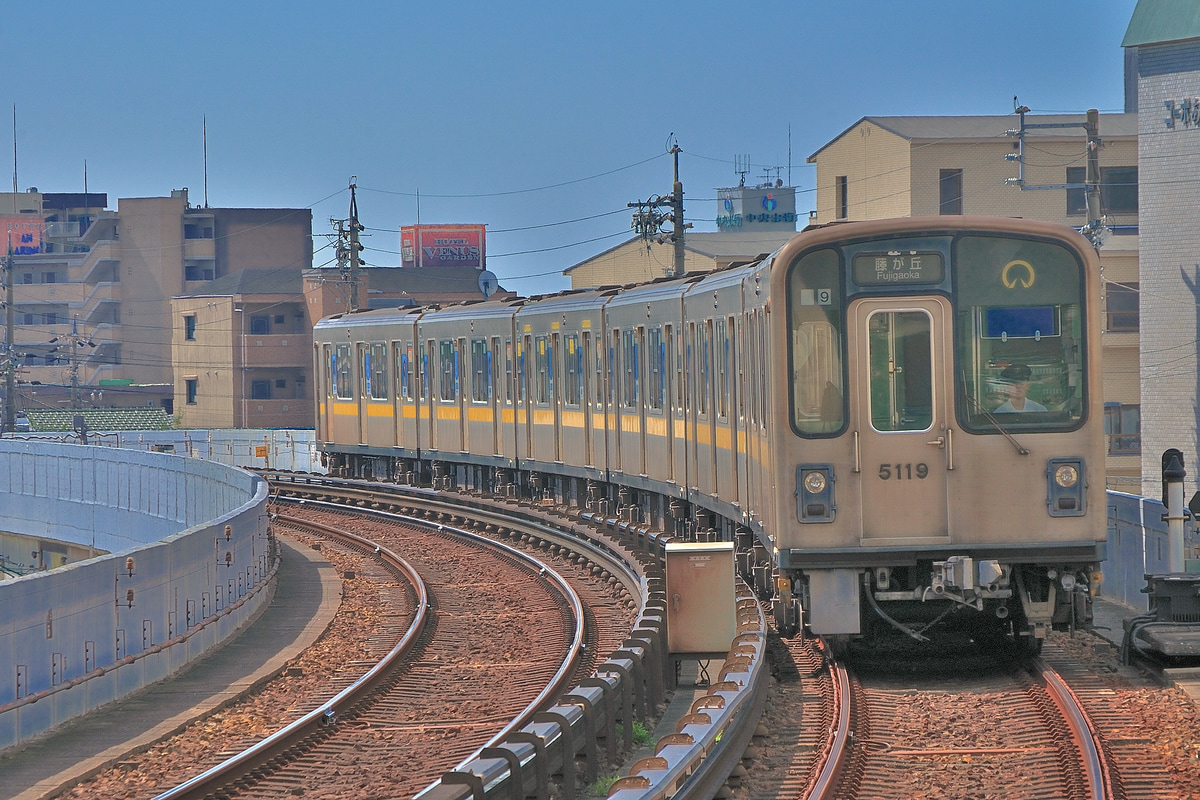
[903,472]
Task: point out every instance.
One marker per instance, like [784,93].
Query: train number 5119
[903,472]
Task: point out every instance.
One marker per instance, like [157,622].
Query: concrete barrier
[190,563]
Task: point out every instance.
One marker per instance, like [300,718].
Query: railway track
[1053,728]
[463,677]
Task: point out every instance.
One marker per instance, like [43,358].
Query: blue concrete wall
[189,565]
[1137,546]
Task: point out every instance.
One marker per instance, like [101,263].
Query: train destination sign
[897,267]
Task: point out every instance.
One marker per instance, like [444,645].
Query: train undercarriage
[924,600]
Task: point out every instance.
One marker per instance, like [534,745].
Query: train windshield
[1019,335]
[815,322]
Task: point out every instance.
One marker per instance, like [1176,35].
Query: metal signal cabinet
[701,600]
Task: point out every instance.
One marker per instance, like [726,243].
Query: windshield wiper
[1021,449]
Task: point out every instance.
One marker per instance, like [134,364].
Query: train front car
[939,456]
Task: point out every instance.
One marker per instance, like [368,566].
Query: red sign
[442,246]
[22,235]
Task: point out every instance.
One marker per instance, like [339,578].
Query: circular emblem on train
[728,202]
[768,202]
[1016,273]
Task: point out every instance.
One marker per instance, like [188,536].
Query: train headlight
[814,493]
[1066,487]
[1066,476]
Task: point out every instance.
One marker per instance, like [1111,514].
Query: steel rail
[559,683]
[326,713]
[1096,767]
[838,744]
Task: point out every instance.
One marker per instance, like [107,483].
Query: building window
[281,383]
[260,325]
[840,199]
[1122,307]
[198,272]
[1118,190]
[189,327]
[260,390]
[1123,426]
[27,278]
[48,277]
[190,387]
[951,191]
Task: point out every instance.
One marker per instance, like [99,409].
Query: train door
[585,375]
[554,361]
[664,353]
[614,407]
[525,414]
[362,363]
[495,389]
[428,364]
[901,416]
[460,393]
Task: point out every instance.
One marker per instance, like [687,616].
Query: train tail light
[814,493]
[1066,487]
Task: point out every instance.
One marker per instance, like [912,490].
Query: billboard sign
[442,246]
[761,208]
[23,236]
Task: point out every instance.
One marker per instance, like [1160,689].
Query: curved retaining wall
[190,563]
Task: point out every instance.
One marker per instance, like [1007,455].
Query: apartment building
[93,287]
[883,167]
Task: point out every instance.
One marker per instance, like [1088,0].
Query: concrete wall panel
[69,640]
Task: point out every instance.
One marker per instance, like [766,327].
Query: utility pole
[355,247]
[1093,168]
[1095,230]
[648,220]
[677,212]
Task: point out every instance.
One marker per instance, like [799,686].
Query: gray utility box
[701,599]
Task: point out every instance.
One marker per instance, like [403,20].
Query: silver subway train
[898,422]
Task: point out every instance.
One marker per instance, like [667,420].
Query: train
[899,423]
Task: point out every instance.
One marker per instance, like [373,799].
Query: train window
[704,378]
[573,372]
[508,370]
[404,370]
[815,344]
[901,370]
[675,343]
[613,349]
[377,368]
[481,371]
[343,387]
[629,360]
[722,369]
[655,369]
[1019,329]
[599,373]
[522,388]
[542,375]
[427,370]
[449,370]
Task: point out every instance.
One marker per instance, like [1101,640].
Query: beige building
[883,167]
[638,260]
[93,303]
[242,344]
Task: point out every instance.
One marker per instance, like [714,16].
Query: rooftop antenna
[789,154]
[14,158]
[205,126]
[741,165]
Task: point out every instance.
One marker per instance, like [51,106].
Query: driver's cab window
[1020,335]
[814,307]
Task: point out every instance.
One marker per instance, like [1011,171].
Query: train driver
[1016,379]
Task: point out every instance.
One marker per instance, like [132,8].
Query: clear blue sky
[480,106]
